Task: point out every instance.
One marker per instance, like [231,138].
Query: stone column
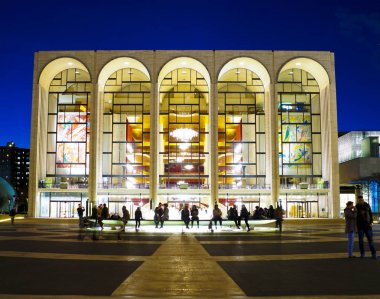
[33,155]
[213,150]
[154,137]
[272,176]
[95,144]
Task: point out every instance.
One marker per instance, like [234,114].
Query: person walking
[12,214]
[185,215]
[364,222]
[350,215]
[80,211]
[94,214]
[244,214]
[126,216]
[279,216]
[138,218]
[194,215]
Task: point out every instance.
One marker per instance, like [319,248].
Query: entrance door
[63,209]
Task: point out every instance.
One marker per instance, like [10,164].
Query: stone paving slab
[79,247]
[62,277]
[316,277]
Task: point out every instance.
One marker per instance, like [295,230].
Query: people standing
[126,216]
[80,211]
[194,215]
[104,214]
[350,215]
[185,215]
[364,222]
[279,216]
[158,215]
[165,216]
[217,216]
[138,218]
[244,214]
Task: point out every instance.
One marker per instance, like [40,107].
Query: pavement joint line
[69,256]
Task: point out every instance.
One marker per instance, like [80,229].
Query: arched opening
[68,123]
[124,158]
[302,106]
[126,130]
[184,129]
[63,143]
[242,127]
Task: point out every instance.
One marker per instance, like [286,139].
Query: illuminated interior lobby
[140,127]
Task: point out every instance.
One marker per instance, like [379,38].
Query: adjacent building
[359,167]
[14,168]
[136,128]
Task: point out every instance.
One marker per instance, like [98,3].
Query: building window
[126,129]
[241,130]
[68,124]
[299,128]
[184,131]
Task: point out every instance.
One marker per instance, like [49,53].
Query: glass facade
[126,130]
[184,130]
[68,127]
[299,128]
[241,130]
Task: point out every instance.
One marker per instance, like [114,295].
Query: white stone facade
[210,65]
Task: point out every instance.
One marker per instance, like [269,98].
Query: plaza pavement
[52,258]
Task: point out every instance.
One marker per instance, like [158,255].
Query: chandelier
[184,134]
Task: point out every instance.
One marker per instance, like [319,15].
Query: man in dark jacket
[364,222]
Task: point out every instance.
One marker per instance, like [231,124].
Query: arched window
[241,129]
[299,128]
[68,127]
[184,129]
[126,129]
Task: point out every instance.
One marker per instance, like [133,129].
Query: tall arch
[124,93]
[306,128]
[117,64]
[243,118]
[123,137]
[184,127]
[59,141]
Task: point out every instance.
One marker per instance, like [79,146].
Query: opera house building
[134,128]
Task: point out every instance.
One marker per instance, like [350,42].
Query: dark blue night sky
[350,29]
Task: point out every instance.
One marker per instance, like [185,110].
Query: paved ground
[41,259]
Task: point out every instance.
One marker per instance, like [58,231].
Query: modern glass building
[136,128]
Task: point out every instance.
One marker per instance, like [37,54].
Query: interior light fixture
[126,62]
[189,167]
[184,146]
[298,63]
[184,134]
[184,72]
[291,73]
[237,72]
[183,62]
[70,63]
[241,63]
